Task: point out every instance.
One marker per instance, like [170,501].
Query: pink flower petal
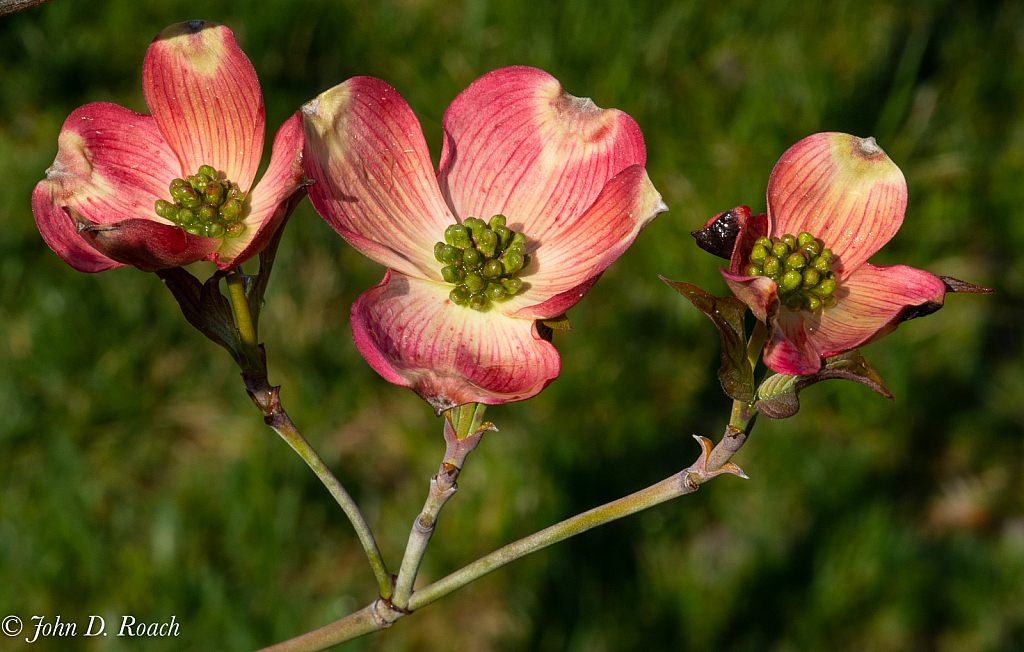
[372,177]
[564,268]
[842,189]
[205,96]
[516,144]
[272,198]
[759,293]
[872,303]
[112,164]
[789,350]
[146,244]
[410,332]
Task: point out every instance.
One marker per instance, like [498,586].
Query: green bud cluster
[481,260]
[800,267]
[204,205]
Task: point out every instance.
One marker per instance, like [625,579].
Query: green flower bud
[198,182]
[780,250]
[186,196]
[796,260]
[771,266]
[497,220]
[512,285]
[208,171]
[475,282]
[492,268]
[790,281]
[451,255]
[459,296]
[438,251]
[811,248]
[803,238]
[207,213]
[177,183]
[519,238]
[236,194]
[790,241]
[195,229]
[825,288]
[475,226]
[172,214]
[215,193]
[793,302]
[186,217]
[231,210]
[812,302]
[162,206]
[214,230]
[758,254]
[516,247]
[811,278]
[486,242]
[457,235]
[765,242]
[511,263]
[478,301]
[820,264]
[828,302]
[495,291]
[234,229]
[452,274]
[827,255]
[472,258]
[504,236]
[753,270]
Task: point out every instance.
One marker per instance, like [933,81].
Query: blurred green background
[137,478]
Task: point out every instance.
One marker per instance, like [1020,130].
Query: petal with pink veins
[789,350]
[112,164]
[372,176]
[564,268]
[758,292]
[872,302]
[843,190]
[146,244]
[516,144]
[271,199]
[205,96]
[414,336]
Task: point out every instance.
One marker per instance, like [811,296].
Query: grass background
[137,478]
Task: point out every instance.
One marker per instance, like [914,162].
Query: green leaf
[559,323]
[778,395]
[727,313]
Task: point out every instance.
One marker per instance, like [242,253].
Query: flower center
[204,205]
[481,260]
[800,267]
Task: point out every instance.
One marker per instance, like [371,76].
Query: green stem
[422,531]
[383,614]
[361,622]
[245,328]
[283,426]
[656,494]
[268,399]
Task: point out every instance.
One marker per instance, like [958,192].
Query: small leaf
[559,323]
[203,306]
[736,373]
[778,395]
